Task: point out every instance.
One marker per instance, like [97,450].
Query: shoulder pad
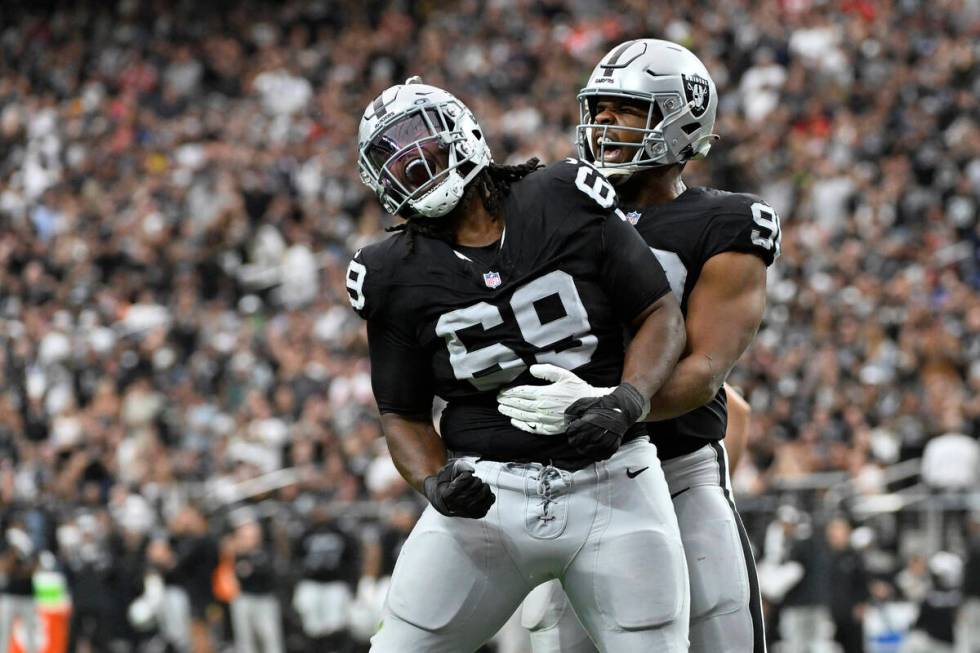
[591,188]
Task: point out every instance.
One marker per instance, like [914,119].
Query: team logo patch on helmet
[697,91]
[492,279]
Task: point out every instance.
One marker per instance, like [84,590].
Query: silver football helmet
[418,146]
[682,105]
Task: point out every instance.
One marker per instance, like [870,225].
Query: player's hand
[540,409]
[456,492]
[597,424]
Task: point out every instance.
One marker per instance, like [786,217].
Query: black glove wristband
[630,401]
[597,424]
[430,488]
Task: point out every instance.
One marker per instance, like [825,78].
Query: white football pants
[726,614]
[606,532]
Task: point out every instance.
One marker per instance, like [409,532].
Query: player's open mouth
[611,153]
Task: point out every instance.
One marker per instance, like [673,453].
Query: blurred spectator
[18,561]
[196,556]
[255,614]
[913,581]
[886,620]
[848,583]
[968,619]
[88,560]
[124,585]
[382,545]
[777,573]
[328,556]
[174,612]
[806,623]
[933,630]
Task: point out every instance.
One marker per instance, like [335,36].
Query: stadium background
[178,363]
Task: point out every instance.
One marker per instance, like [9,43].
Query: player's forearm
[655,348]
[696,379]
[415,447]
[737,430]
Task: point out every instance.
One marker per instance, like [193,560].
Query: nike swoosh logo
[636,473]
[677,494]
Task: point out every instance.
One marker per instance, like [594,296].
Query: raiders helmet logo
[697,91]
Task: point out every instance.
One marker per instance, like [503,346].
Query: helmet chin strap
[620,175]
[617,176]
[442,199]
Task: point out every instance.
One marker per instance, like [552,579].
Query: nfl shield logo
[633,217]
[492,279]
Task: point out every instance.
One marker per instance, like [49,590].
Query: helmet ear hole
[477,134]
[656,115]
[691,127]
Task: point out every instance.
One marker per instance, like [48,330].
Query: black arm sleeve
[401,371]
[631,275]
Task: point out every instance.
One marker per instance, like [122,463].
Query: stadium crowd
[186,418]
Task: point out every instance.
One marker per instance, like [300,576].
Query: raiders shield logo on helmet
[696,88]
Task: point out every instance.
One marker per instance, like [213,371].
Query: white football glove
[540,409]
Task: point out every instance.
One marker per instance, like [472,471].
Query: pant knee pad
[639,597]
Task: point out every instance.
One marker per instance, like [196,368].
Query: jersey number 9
[766,234]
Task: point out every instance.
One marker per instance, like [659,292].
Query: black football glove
[456,492]
[596,425]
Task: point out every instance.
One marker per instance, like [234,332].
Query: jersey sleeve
[401,371]
[746,225]
[365,287]
[631,275]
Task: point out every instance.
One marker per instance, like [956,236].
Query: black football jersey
[464,322]
[684,234]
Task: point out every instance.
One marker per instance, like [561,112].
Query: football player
[648,108]
[497,268]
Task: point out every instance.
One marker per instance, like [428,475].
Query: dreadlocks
[492,184]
